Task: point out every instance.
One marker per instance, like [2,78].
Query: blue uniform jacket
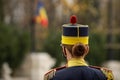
[79,73]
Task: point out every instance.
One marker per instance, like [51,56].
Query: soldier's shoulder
[107,72]
[50,74]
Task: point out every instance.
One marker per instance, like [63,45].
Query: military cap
[73,33]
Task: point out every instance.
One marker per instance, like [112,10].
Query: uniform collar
[76,62]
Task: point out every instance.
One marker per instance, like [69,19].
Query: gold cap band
[74,40]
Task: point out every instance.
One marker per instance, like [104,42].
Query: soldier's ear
[64,51]
[87,49]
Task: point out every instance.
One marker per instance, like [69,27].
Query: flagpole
[32,27]
[110,53]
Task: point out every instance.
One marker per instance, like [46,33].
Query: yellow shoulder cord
[108,73]
[50,74]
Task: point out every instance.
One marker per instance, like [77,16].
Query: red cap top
[73,19]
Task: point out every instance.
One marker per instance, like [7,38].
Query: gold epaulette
[108,73]
[50,74]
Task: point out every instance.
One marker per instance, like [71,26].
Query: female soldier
[75,48]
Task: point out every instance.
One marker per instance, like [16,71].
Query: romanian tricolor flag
[41,15]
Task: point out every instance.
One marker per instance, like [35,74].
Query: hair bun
[78,50]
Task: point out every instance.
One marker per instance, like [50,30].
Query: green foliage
[97,53]
[14,44]
[52,46]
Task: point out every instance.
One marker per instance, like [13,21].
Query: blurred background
[30,35]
